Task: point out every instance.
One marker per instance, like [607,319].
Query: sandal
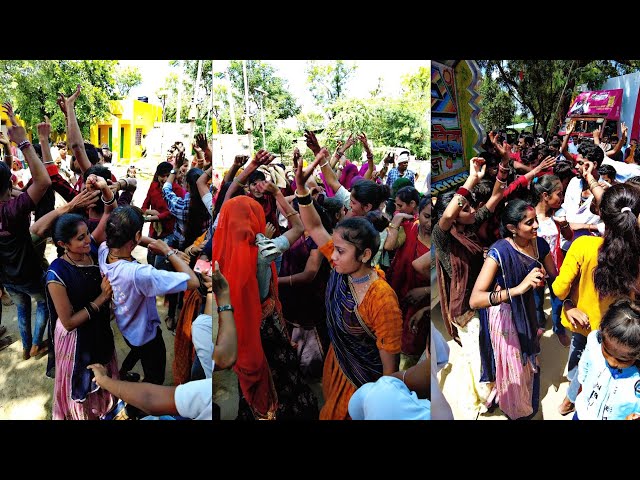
[565,409]
[5,342]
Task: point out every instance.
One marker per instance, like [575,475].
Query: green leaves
[33,86]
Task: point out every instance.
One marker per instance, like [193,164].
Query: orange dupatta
[241,219]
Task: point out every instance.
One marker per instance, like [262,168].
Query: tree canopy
[544,88]
[32,87]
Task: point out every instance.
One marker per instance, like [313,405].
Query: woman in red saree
[411,286]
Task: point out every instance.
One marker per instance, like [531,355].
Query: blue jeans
[578,343]
[556,308]
[21,296]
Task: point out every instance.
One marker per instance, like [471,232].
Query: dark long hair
[198,216]
[513,214]
[545,184]
[369,192]
[618,268]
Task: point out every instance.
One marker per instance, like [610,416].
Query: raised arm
[225,352]
[329,175]
[201,183]
[84,199]
[74,135]
[44,130]
[311,269]
[564,148]
[310,218]
[370,165]
[394,229]
[262,157]
[477,170]
[296,228]
[108,198]
[594,186]
[6,146]
[238,163]
[41,179]
[621,142]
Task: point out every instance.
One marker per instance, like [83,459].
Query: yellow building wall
[130,115]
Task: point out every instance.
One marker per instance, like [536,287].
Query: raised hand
[303,175]
[44,128]
[571,127]
[262,157]
[4,140]
[349,143]
[477,167]
[365,144]
[501,149]
[85,199]
[624,129]
[220,285]
[312,141]
[65,103]
[265,186]
[12,117]
[296,157]
[240,160]
[201,141]
[545,164]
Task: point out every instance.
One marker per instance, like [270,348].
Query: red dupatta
[403,278]
[234,248]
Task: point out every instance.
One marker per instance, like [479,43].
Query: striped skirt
[97,403]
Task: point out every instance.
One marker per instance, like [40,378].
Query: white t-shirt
[202,337]
[207,200]
[194,399]
[548,230]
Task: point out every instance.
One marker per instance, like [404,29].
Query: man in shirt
[401,171]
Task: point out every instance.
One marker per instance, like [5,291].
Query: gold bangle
[239,182]
[305,205]
[324,164]
[391,225]
[291,214]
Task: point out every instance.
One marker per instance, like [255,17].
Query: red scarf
[234,248]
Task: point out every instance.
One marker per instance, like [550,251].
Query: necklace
[360,280]
[71,259]
[128,257]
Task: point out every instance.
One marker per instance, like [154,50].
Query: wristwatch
[173,172]
[225,308]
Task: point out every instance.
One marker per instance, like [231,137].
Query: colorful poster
[447,150]
[601,103]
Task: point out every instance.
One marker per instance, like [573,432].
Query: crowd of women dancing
[561,219]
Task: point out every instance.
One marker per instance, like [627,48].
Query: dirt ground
[26,393]
[553,380]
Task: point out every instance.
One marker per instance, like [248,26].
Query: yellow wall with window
[129,117]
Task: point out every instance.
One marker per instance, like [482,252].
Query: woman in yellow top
[605,268]
[363,315]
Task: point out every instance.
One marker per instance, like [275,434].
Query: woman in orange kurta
[363,316]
